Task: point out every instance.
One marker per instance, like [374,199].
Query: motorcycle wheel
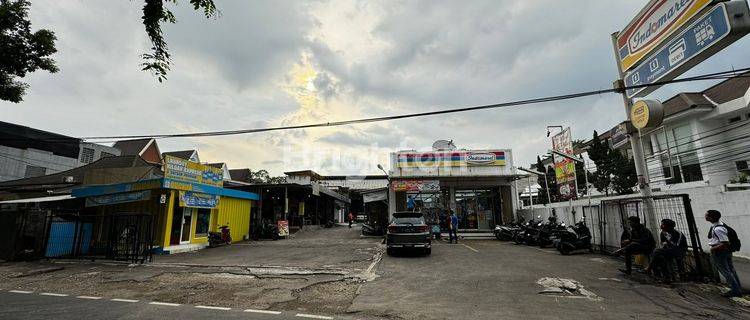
[498,237]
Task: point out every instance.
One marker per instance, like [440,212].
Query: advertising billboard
[191,199]
[184,170]
[653,25]
[565,169]
[721,26]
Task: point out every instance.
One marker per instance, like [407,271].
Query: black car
[408,230]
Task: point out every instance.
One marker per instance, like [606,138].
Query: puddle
[565,288]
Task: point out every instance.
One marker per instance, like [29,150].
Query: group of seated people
[640,241]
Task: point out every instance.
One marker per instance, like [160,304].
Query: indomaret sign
[653,25]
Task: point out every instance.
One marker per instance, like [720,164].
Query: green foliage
[154,14]
[262,176]
[742,178]
[553,191]
[615,173]
[21,51]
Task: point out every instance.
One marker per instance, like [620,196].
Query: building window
[679,159]
[742,166]
[735,119]
[106,154]
[34,171]
[87,155]
[201,225]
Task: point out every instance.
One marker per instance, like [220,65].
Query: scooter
[266,230]
[528,232]
[574,238]
[506,232]
[220,238]
[548,232]
[372,230]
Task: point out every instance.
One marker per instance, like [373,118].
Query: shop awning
[41,199]
[162,183]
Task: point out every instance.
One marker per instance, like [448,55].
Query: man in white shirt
[721,254]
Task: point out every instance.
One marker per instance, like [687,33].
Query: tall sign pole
[635,142]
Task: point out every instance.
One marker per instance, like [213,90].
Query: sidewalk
[742,266]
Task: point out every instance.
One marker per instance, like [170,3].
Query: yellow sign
[646,113]
[184,170]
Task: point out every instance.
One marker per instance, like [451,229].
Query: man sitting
[674,246]
[638,240]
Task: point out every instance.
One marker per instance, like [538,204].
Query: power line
[712,76]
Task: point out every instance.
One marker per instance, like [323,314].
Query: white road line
[213,308]
[124,300]
[470,248]
[20,291]
[262,311]
[157,303]
[53,294]
[311,316]
[88,297]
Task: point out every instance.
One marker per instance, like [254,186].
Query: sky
[274,63]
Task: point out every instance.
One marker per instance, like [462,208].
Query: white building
[27,152]
[704,139]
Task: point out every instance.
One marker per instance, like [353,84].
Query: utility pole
[635,142]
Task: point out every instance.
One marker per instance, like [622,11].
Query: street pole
[588,192]
[531,197]
[549,198]
[635,142]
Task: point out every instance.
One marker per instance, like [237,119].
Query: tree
[599,153]
[614,171]
[262,176]
[553,191]
[21,51]
[154,13]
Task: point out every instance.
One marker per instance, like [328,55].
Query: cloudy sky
[271,63]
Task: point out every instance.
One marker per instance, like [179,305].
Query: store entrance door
[474,209]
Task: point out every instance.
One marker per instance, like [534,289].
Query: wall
[234,213]
[13,162]
[734,206]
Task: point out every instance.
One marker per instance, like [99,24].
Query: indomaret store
[476,184]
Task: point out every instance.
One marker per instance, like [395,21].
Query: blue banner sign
[118,198]
[678,54]
[198,200]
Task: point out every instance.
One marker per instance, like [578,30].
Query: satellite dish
[442,145]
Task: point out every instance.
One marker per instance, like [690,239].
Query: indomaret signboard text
[653,25]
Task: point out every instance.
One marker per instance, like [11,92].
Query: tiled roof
[184,154]
[729,90]
[132,147]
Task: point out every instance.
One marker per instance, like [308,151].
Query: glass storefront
[474,209]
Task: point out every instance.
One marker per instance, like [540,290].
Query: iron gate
[614,213]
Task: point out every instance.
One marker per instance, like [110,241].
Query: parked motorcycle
[220,238]
[547,232]
[507,232]
[266,230]
[577,237]
[372,230]
[528,232]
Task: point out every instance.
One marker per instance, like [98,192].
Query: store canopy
[162,183]
[42,199]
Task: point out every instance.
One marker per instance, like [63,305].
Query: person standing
[453,227]
[351,219]
[410,203]
[638,241]
[723,241]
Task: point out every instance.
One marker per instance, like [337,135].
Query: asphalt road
[489,279]
[33,305]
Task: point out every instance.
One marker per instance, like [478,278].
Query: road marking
[470,248]
[88,297]
[20,291]
[53,294]
[213,308]
[311,316]
[164,304]
[124,300]
[262,311]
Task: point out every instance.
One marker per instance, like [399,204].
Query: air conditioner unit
[68,179]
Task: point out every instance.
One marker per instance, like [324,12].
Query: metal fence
[122,236]
[614,213]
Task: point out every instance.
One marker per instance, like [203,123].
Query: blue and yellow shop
[174,213]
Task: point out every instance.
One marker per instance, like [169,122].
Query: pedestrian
[410,203]
[453,227]
[638,240]
[351,219]
[673,248]
[723,241]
